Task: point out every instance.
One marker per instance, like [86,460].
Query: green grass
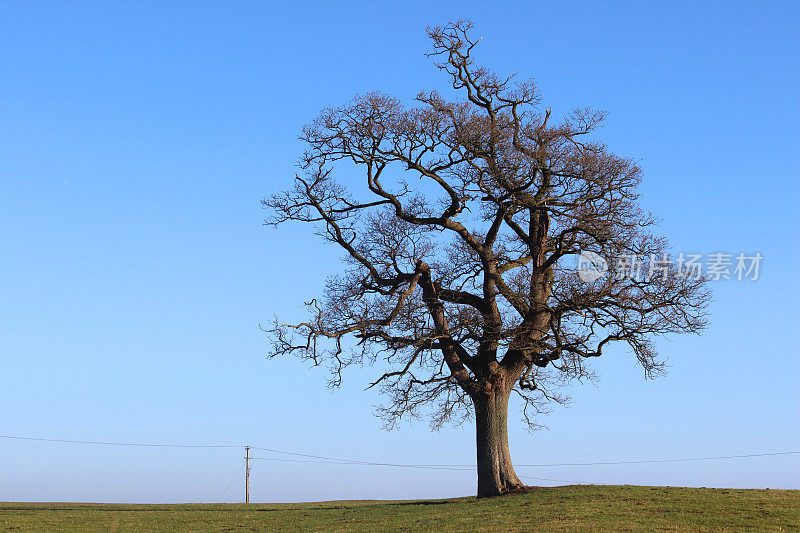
[574,508]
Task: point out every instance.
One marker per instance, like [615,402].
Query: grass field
[573,508]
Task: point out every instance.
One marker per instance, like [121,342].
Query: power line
[367,463]
[372,463]
[231,483]
[596,463]
[432,467]
[557,480]
[313,456]
[666,460]
[320,459]
[108,443]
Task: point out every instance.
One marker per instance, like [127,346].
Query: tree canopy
[460,239]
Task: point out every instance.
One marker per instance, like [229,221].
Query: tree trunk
[495,472]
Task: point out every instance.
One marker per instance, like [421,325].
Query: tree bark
[495,472]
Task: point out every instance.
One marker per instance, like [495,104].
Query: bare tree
[464,283]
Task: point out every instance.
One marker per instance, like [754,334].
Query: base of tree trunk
[522,489]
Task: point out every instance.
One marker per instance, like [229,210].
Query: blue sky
[138,138]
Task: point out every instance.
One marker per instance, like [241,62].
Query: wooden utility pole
[247,474]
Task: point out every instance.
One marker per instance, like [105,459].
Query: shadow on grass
[341,507]
[422,502]
[113,509]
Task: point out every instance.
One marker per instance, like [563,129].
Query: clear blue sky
[137,139]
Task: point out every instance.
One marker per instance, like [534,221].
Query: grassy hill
[573,508]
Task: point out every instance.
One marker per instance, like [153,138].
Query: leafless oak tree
[463,281]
